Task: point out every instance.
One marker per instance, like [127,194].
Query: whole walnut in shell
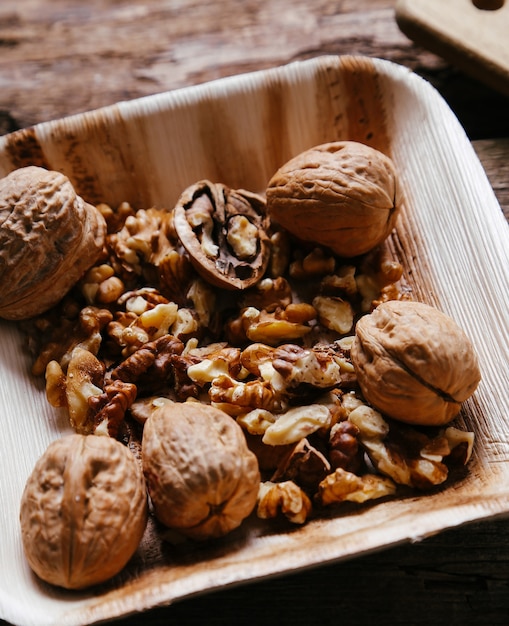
[344,195]
[49,236]
[202,478]
[414,363]
[83,511]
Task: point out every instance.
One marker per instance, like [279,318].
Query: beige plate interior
[452,238]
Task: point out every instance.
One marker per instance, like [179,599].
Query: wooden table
[60,57]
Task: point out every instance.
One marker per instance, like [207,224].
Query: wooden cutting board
[475,40]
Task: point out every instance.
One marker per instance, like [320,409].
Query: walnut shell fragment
[414,363]
[202,478]
[344,195]
[83,511]
[49,237]
[224,232]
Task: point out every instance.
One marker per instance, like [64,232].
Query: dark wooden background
[59,57]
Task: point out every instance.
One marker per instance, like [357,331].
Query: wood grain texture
[473,38]
[62,57]
[494,155]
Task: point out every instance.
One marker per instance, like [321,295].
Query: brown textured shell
[83,511]
[343,195]
[202,478]
[224,270]
[49,237]
[414,363]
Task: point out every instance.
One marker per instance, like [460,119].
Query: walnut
[115,218]
[109,408]
[49,236]
[269,294]
[334,313]
[314,264]
[236,397]
[385,269]
[124,333]
[95,406]
[414,363]
[255,355]
[282,325]
[286,498]
[84,332]
[256,421]
[269,457]
[214,363]
[175,275]
[203,299]
[151,365]
[55,385]
[74,389]
[83,511]
[289,366]
[400,451]
[341,283]
[224,233]
[101,286]
[344,449]
[342,195]
[186,324]
[137,301]
[142,408]
[198,368]
[202,478]
[145,239]
[304,465]
[461,444]
[321,367]
[297,423]
[344,486]
[259,326]
[280,253]
[130,331]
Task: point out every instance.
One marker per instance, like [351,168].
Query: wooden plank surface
[59,57]
[472,35]
[494,155]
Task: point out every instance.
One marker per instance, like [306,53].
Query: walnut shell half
[202,478]
[49,237]
[343,195]
[414,363]
[83,511]
[224,232]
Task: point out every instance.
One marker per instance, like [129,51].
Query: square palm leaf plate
[452,239]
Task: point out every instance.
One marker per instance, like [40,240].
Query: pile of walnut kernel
[155,318]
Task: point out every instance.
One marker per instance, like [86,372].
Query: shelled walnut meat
[83,511]
[266,352]
[49,236]
[344,195]
[414,363]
